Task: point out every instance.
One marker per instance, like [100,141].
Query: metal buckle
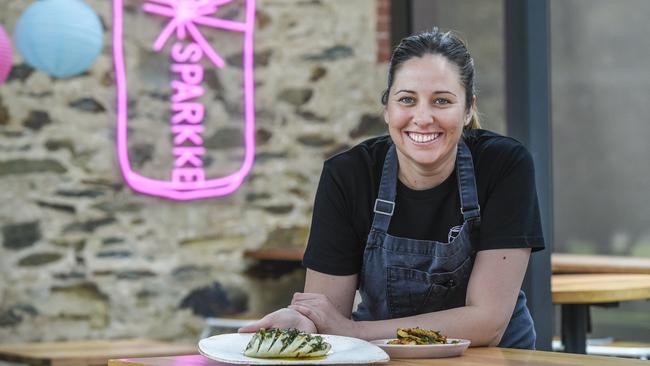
[392,207]
[471,212]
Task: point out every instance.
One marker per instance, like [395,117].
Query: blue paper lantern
[60,37]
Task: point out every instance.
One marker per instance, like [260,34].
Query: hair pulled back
[435,42]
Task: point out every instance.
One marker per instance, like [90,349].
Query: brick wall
[383,31]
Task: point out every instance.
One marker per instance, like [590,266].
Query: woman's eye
[441,101]
[406,100]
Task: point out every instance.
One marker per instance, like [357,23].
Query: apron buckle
[384,207]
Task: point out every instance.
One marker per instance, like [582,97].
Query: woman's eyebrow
[444,92]
[435,92]
[404,91]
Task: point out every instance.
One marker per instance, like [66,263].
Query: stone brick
[113,206]
[264,157]
[88,226]
[262,136]
[331,54]
[311,116]
[56,206]
[256,196]
[15,314]
[79,193]
[215,301]
[4,114]
[134,274]
[39,259]
[20,235]
[296,96]
[87,105]
[189,272]
[317,73]
[315,140]
[369,125]
[295,236]
[279,209]
[262,19]
[260,59]
[36,120]
[27,166]
[20,72]
[114,254]
[83,301]
[225,138]
[58,144]
[141,154]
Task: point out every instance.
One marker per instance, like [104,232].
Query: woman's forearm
[468,322]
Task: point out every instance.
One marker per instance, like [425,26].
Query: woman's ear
[470,111]
[385,115]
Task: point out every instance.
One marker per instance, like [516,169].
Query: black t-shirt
[349,184]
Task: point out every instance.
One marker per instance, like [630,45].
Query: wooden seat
[89,353]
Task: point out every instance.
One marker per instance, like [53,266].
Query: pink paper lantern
[5,55]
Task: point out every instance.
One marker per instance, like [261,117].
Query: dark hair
[435,42]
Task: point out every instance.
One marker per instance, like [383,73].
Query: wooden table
[481,356]
[87,353]
[576,292]
[578,263]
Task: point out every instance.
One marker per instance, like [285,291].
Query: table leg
[575,320]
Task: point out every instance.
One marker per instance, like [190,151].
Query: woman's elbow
[490,334]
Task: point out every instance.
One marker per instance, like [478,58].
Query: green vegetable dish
[286,343]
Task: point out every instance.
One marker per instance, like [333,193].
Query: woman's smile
[423,138]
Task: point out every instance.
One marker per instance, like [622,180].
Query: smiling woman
[433,224]
[426,113]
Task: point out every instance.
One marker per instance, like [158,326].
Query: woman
[433,224]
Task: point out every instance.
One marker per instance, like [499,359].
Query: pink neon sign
[187,180]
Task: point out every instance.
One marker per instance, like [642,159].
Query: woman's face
[426,112]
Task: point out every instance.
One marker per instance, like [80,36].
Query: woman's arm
[339,290]
[491,296]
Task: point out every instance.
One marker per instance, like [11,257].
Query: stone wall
[83,256]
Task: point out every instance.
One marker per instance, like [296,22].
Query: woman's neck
[420,177]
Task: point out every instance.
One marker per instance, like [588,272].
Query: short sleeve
[510,217]
[333,246]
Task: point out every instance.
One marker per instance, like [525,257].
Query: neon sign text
[188,179]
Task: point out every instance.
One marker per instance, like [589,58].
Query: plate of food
[421,343]
[289,347]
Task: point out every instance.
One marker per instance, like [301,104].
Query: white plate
[423,350]
[229,348]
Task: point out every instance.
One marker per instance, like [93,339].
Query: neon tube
[187,178]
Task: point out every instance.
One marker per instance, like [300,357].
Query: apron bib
[402,277]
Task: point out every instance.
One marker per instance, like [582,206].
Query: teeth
[419,137]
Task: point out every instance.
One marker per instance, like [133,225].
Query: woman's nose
[423,116]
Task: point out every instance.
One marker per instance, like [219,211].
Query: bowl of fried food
[422,343]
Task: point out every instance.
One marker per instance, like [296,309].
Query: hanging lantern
[5,55]
[60,37]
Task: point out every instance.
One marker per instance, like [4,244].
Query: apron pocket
[412,292]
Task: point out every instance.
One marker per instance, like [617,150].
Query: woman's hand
[283,318]
[320,310]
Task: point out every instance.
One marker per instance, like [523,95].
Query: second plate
[423,350]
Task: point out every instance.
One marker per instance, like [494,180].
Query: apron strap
[469,206]
[385,203]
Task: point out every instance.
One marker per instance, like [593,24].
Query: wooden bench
[89,353]
[582,263]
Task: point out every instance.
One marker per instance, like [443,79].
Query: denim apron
[402,277]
